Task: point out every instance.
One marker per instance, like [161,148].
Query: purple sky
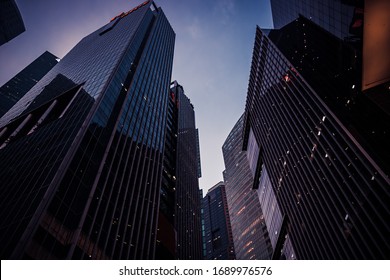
[214,41]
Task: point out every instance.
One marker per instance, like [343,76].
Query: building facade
[342,18]
[327,175]
[18,86]
[250,234]
[82,152]
[166,232]
[349,73]
[11,22]
[218,231]
[188,204]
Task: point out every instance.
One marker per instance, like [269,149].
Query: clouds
[195,29]
[224,10]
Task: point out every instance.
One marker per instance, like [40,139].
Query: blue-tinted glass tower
[81,153]
[19,85]
[218,232]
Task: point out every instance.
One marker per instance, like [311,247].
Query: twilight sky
[214,41]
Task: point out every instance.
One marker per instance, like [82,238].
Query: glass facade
[333,69]
[82,151]
[333,196]
[14,89]
[188,204]
[218,233]
[11,22]
[342,18]
[274,219]
[249,229]
[166,233]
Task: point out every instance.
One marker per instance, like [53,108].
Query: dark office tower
[166,232]
[363,27]
[204,241]
[18,86]
[11,22]
[343,18]
[333,196]
[218,232]
[82,152]
[250,233]
[188,218]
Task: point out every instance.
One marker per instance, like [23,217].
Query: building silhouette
[249,229]
[11,22]
[218,232]
[188,204]
[167,234]
[319,135]
[81,153]
[22,82]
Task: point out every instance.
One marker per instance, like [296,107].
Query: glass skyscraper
[81,154]
[19,85]
[339,17]
[218,232]
[188,204]
[250,234]
[318,137]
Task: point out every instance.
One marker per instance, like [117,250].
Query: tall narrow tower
[188,216]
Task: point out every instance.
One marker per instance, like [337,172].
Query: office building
[81,153]
[188,204]
[359,70]
[204,250]
[319,139]
[218,231]
[18,86]
[166,232]
[11,22]
[249,229]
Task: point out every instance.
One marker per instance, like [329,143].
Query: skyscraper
[249,229]
[188,215]
[166,232]
[218,231]
[338,17]
[19,85]
[11,22]
[358,70]
[82,152]
[318,139]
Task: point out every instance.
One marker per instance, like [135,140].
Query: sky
[213,50]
